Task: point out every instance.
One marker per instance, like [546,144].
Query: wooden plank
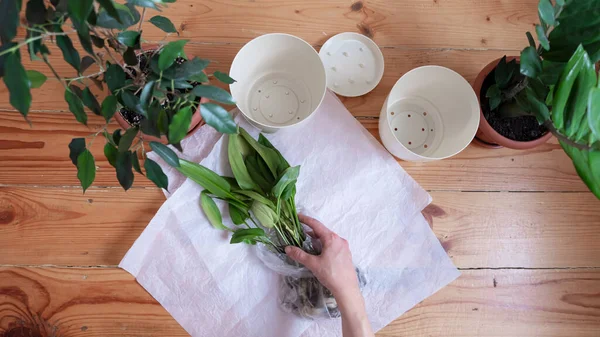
[108,302]
[542,230]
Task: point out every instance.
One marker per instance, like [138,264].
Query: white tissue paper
[348,181]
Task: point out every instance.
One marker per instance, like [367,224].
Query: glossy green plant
[161,85]
[557,82]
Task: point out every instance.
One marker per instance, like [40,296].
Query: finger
[318,228]
[300,256]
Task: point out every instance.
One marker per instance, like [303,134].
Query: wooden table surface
[520,225]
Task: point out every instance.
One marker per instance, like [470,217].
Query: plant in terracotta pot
[552,89]
[154,92]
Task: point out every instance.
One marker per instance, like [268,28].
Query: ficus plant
[557,82]
[158,88]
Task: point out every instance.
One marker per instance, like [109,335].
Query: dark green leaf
[130,57]
[149,125]
[223,77]
[92,19]
[128,14]
[76,106]
[512,109]
[238,216]
[211,211]
[36,79]
[538,106]
[124,172]
[180,125]
[283,164]
[542,38]
[213,93]
[86,62]
[110,152]
[89,100]
[83,32]
[501,73]
[114,76]
[35,46]
[109,107]
[147,93]
[86,169]
[270,157]
[578,99]
[17,82]
[80,9]
[546,12]
[531,64]
[256,196]
[530,39]
[551,72]
[117,136]
[172,84]
[217,117]
[248,235]
[9,19]
[36,12]
[109,7]
[236,161]
[206,178]
[188,70]
[163,122]
[127,139]
[165,153]
[130,38]
[259,172]
[593,115]
[132,102]
[289,177]
[97,41]
[494,95]
[135,161]
[70,54]
[163,23]
[155,173]
[76,147]
[170,52]
[564,86]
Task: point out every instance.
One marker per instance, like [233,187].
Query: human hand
[333,267]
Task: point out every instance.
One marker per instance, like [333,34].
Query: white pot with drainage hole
[281,81]
[431,113]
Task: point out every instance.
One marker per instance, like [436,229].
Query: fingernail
[288,249]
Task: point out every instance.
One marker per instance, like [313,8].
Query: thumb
[300,256]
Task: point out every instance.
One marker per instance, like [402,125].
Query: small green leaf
[264,214]
[494,95]
[155,173]
[110,152]
[124,172]
[109,107]
[86,62]
[80,9]
[129,57]
[148,125]
[127,139]
[247,235]
[217,117]
[238,167]
[593,115]
[163,23]
[501,73]
[223,77]
[163,122]
[114,76]
[180,125]
[147,93]
[70,54]
[165,153]
[76,106]
[289,177]
[238,216]
[97,41]
[130,38]
[135,161]
[539,108]
[213,93]
[132,102]
[283,164]
[86,169]
[211,211]
[542,38]
[117,137]
[206,178]
[531,64]
[76,147]
[546,12]
[9,19]
[189,70]
[530,39]
[109,7]
[89,100]
[36,12]
[170,52]
[17,83]
[127,13]
[83,32]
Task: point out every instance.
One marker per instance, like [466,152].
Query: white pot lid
[353,62]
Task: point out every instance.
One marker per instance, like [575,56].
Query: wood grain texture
[542,230]
[108,302]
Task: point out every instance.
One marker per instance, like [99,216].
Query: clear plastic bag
[300,292]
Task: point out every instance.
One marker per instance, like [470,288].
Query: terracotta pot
[486,135]
[196,123]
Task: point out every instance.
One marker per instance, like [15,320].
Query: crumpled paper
[213,288]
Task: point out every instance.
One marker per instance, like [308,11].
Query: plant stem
[512,93]
[142,19]
[31,39]
[54,72]
[82,77]
[550,126]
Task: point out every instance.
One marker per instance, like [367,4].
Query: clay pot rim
[487,129]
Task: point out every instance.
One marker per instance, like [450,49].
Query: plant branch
[142,19]
[83,77]
[550,126]
[512,93]
[54,71]
[31,39]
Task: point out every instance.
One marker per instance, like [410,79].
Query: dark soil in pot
[522,129]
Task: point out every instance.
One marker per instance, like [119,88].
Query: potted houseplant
[154,92]
[551,89]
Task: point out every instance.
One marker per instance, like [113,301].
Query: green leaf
[170,52]
[76,147]
[114,77]
[9,19]
[124,172]
[180,125]
[564,86]
[270,157]
[86,62]
[238,167]
[501,73]
[86,169]
[117,137]
[127,139]
[217,117]
[223,77]
[148,125]
[97,41]
[531,64]
[578,99]
[494,95]
[259,172]
[206,178]
[551,72]
[130,38]
[542,38]
[110,152]
[36,79]
[289,177]
[248,235]
[165,153]
[70,54]
[127,13]
[546,12]
[283,164]
[89,100]
[132,102]
[109,107]
[109,7]
[213,93]
[155,173]
[83,32]
[593,115]
[530,39]
[163,23]
[211,211]
[256,196]
[587,165]
[188,70]
[560,2]
[539,107]
[36,12]
[80,9]
[135,161]
[238,216]
[146,94]
[130,57]
[76,106]
[17,82]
